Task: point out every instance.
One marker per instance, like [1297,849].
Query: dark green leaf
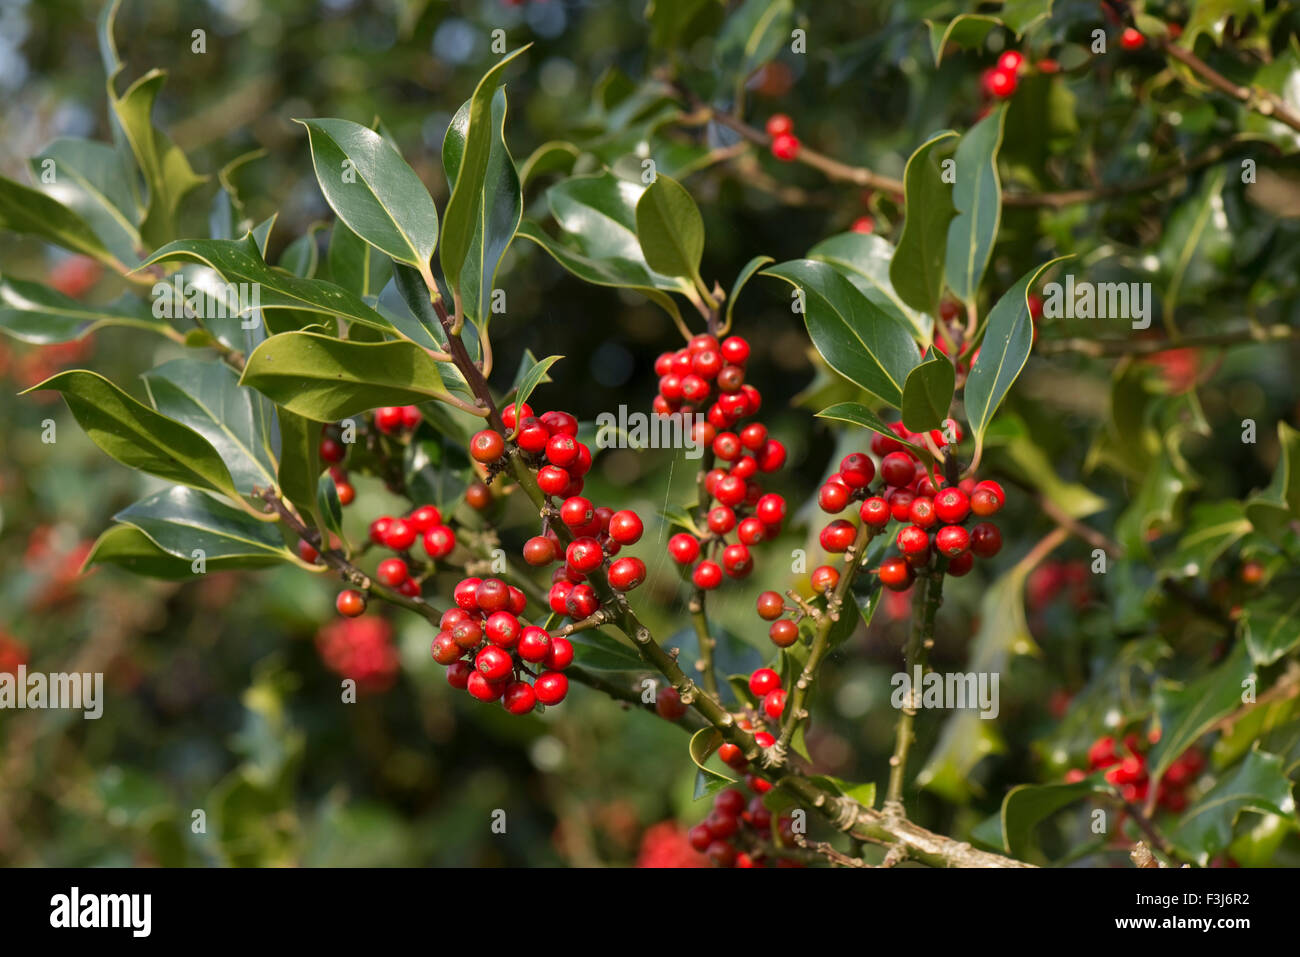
[977,197]
[356,265]
[1271,625]
[864,260]
[1189,711]
[32,312]
[181,521]
[1258,784]
[745,274]
[927,393]
[670,229]
[860,415]
[916,270]
[33,213]
[88,178]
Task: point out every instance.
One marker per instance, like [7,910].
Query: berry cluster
[401,572]
[361,650]
[738,833]
[1000,81]
[487,650]
[709,377]
[785,145]
[1127,770]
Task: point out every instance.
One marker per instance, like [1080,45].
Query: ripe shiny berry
[1000,83]
[584,555]
[439,542]
[534,644]
[625,527]
[668,705]
[493,663]
[307,551]
[721,520]
[731,755]
[481,688]
[736,561]
[389,419]
[921,512]
[627,573]
[912,540]
[772,456]
[785,147]
[896,574]
[838,536]
[951,505]
[465,594]
[900,504]
[558,598]
[379,528]
[898,469]
[331,450]
[985,540]
[458,673]
[444,649]
[779,124]
[984,502]
[952,540]
[557,421]
[771,606]
[392,572]
[1012,61]
[345,492]
[1132,39]
[762,681]
[832,497]
[707,575]
[863,224]
[493,595]
[468,634]
[951,429]
[770,509]
[350,603]
[961,564]
[513,414]
[783,633]
[519,697]
[684,548]
[751,531]
[577,512]
[503,629]
[582,602]
[735,350]
[487,446]
[553,480]
[551,687]
[774,704]
[539,550]
[857,470]
[561,654]
[730,490]
[399,535]
[561,450]
[875,512]
[726,446]
[824,579]
[533,436]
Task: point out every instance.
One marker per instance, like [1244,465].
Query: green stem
[925,604]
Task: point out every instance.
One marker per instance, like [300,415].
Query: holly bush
[895,401]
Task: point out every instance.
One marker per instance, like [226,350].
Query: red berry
[1132,39]
[1000,83]
[921,512]
[399,535]
[379,528]
[533,436]
[783,633]
[960,565]
[483,689]
[896,574]
[762,681]
[669,706]
[731,755]
[774,704]
[577,512]
[875,512]
[539,550]
[736,561]
[439,542]
[785,146]
[581,602]
[951,505]
[465,594]
[389,419]
[912,540]
[770,509]
[771,606]
[985,540]
[625,527]
[561,654]
[707,575]
[534,644]
[857,470]
[952,540]
[684,548]
[627,573]
[350,603]
[345,492]
[863,224]
[779,124]
[503,629]
[824,579]
[551,687]
[331,450]
[487,446]
[838,536]
[772,456]
[832,497]
[584,554]
[444,648]
[898,469]
[494,663]
[721,520]
[512,414]
[1011,61]
[553,480]
[307,551]
[730,490]
[392,572]
[519,697]
[735,350]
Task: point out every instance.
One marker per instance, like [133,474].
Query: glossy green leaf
[1258,784]
[670,229]
[239,261]
[977,198]
[927,393]
[917,269]
[703,743]
[476,206]
[1003,353]
[856,338]
[125,546]
[299,466]
[1188,711]
[302,256]
[498,205]
[328,507]
[1028,805]
[88,178]
[1271,625]
[181,521]
[139,437]
[33,213]
[1020,15]
[553,156]
[967,31]
[327,379]
[864,260]
[1153,505]
[373,190]
[33,312]
[356,265]
[746,273]
[533,377]
[860,415]
[1273,508]
[206,396]
[168,175]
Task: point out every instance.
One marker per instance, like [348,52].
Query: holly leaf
[670,229]
[917,269]
[977,198]
[1259,784]
[927,393]
[190,524]
[33,312]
